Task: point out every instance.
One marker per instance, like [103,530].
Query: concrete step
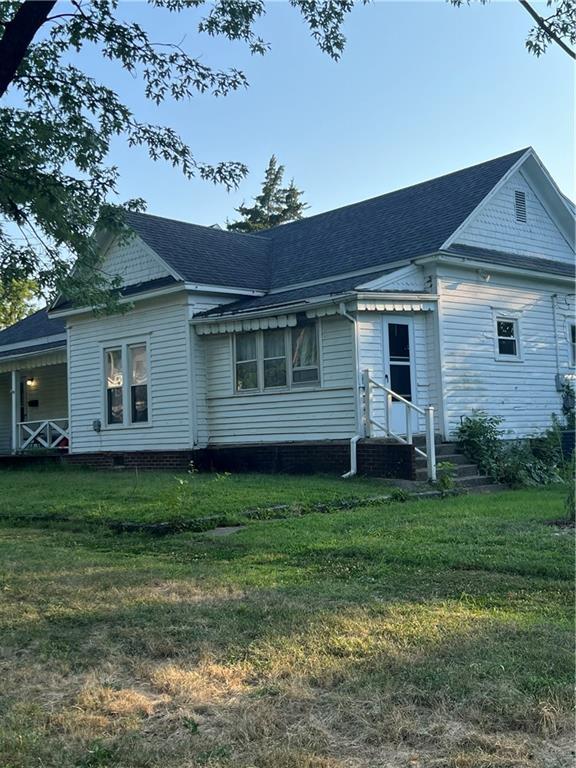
[460,471]
[453,458]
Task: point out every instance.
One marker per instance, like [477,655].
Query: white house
[455,294]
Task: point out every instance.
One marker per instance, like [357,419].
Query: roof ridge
[194,224]
[518,152]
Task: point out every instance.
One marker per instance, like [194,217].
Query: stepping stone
[225,530]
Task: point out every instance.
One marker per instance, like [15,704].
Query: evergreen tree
[274,205]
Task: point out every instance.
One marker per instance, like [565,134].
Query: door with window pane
[399,370]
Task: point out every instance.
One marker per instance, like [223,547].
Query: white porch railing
[409,408]
[49,433]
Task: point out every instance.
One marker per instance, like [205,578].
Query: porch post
[15,407]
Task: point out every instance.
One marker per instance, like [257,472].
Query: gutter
[486,266]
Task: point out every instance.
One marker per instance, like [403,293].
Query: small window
[507,337]
[274,358]
[138,383]
[246,362]
[114,387]
[305,366]
[572,338]
[520,205]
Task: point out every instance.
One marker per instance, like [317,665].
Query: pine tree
[274,205]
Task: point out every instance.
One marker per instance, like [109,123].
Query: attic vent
[520,205]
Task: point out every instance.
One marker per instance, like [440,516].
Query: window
[114,387]
[126,381]
[507,338]
[520,205]
[138,383]
[305,354]
[277,358]
[399,352]
[246,362]
[572,339]
[274,358]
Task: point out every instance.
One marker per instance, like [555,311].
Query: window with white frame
[507,338]
[277,358]
[126,384]
[572,342]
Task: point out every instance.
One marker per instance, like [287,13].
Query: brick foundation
[377,459]
[333,458]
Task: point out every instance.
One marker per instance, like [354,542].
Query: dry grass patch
[328,642]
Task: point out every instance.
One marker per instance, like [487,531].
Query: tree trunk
[18,34]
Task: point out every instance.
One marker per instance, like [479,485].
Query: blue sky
[422,89]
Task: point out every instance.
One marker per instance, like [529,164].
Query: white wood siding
[165,324]
[49,389]
[495,225]
[371,353]
[134,261]
[322,413]
[5,413]
[409,278]
[522,392]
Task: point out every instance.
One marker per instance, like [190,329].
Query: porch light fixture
[30,381]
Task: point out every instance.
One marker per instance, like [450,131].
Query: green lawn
[426,634]
[159,496]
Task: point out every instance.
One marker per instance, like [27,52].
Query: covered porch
[34,403]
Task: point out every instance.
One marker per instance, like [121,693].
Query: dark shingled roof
[410,222]
[206,254]
[36,326]
[533,263]
[33,350]
[295,296]
[399,225]
[127,291]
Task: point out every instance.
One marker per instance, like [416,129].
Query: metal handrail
[427,412]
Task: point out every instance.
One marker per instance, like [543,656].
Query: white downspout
[359,427]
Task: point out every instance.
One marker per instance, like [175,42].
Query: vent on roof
[520,205]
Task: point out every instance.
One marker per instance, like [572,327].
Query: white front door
[398,334]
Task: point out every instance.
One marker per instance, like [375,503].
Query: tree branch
[542,23]
[18,34]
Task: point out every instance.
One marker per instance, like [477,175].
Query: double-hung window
[277,358]
[507,338]
[126,384]
[572,342]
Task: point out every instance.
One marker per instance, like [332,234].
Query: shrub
[512,462]
[480,438]
[445,471]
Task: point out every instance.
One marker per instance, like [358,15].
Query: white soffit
[26,363]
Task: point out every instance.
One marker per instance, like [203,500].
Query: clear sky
[422,89]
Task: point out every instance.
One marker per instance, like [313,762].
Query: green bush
[511,462]
[480,438]
[445,476]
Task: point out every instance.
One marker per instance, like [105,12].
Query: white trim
[39,359]
[69,399]
[154,292]
[506,316]
[207,288]
[487,266]
[495,189]
[124,345]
